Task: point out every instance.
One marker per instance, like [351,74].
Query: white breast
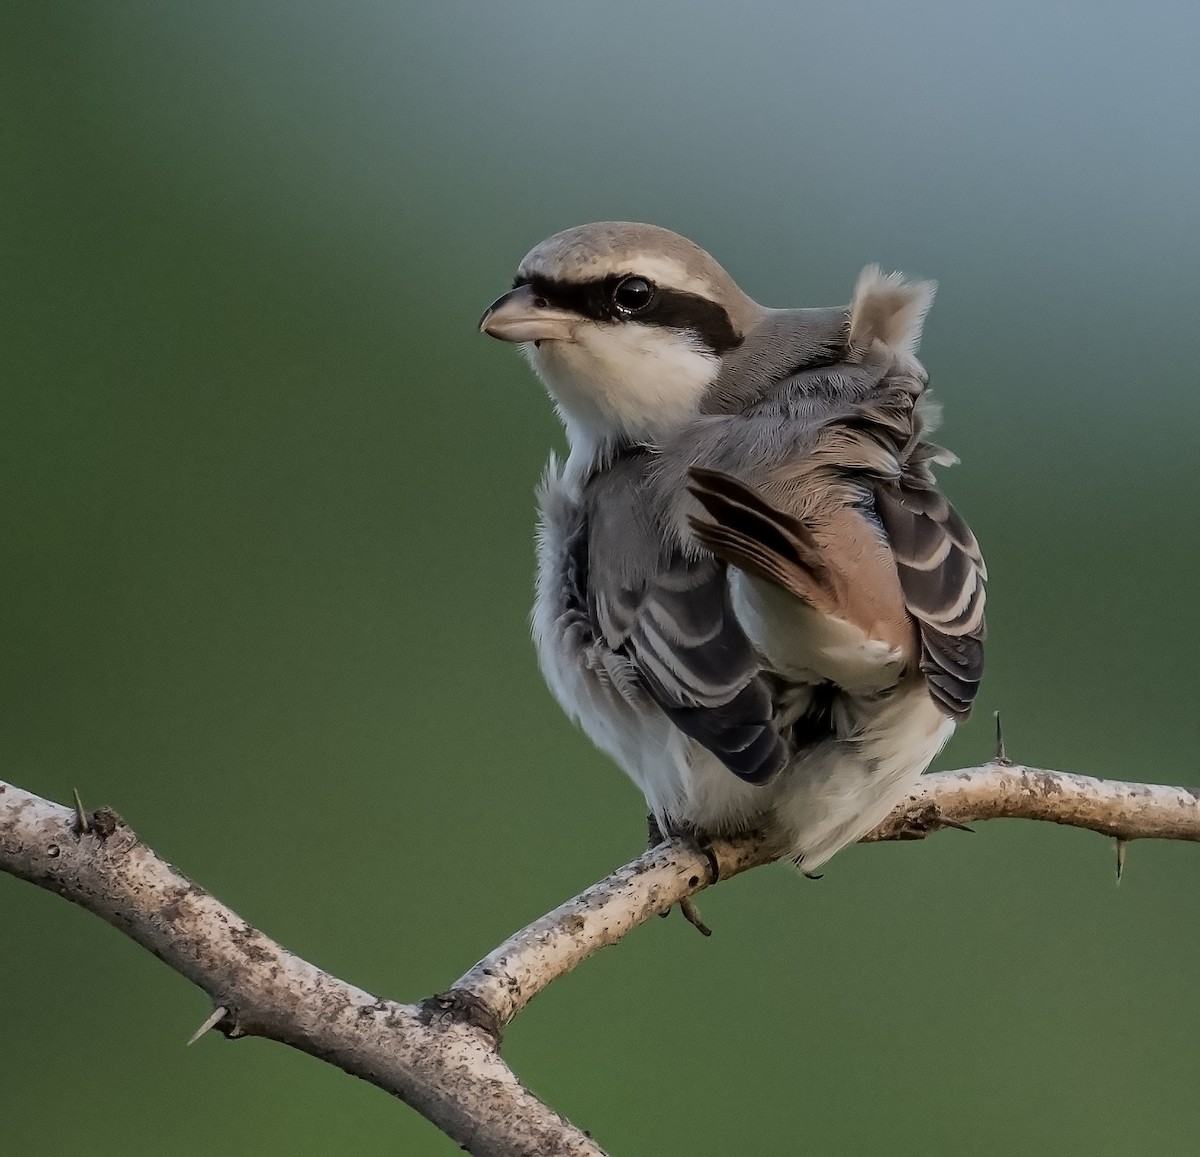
[682,782]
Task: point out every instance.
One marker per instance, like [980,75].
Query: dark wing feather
[670,618]
[942,575]
[689,653]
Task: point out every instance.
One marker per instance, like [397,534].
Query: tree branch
[441,1056]
[446,1069]
[1126,811]
[515,972]
[507,979]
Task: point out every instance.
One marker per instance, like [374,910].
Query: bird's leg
[687,907]
[654,834]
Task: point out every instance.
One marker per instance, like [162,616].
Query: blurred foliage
[268,509]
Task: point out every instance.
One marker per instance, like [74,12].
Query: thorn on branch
[81,826]
[1001,756]
[1122,845]
[218,1014]
[949,823]
[924,821]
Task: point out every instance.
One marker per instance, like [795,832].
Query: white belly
[834,794]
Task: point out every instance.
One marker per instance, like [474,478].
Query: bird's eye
[632,294]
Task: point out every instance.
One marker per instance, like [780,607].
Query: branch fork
[441,1056]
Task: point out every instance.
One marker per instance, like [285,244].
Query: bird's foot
[687,906]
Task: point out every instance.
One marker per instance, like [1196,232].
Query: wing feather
[864,460]
[669,617]
[942,575]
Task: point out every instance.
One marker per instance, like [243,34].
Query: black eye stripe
[670,308]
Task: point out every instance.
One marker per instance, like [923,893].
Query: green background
[267,502]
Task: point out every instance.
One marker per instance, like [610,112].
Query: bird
[751,591]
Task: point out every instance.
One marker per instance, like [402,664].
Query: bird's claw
[687,906]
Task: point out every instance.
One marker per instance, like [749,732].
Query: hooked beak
[521,315]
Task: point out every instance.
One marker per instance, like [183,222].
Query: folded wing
[843,514]
[669,617]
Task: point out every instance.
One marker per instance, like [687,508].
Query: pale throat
[623,382]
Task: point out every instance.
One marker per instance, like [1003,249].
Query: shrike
[751,592]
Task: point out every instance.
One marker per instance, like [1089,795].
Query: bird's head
[626,325]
